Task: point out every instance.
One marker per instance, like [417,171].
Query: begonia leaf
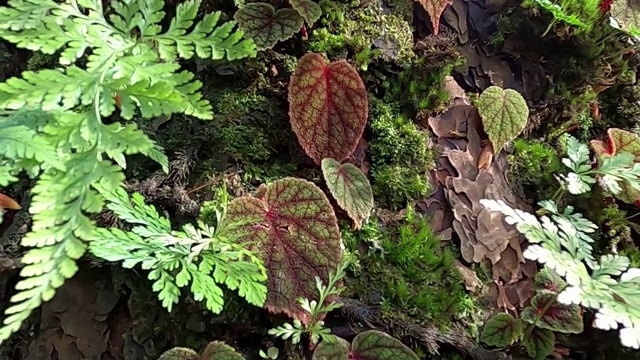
[351,189]
[336,350]
[539,343]
[504,115]
[557,317]
[435,8]
[377,345]
[266,26]
[502,330]
[328,107]
[308,9]
[294,230]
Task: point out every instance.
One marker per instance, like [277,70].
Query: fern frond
[205,40]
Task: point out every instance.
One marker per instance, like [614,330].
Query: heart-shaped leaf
[504,115]
[539,343]
[337,350]
[218,350]
[351,189]
[558,317]
[179,353]
[502,330]
[328,107]
[309,10]
[620,141]
[374,344]
[266,26]
[294,230]
[435,8]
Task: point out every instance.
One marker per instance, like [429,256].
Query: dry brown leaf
[435,8]
[469,276]
[8,203]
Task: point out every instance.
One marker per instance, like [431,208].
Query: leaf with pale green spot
[351,189]
[266,26]
[218,350]
[374,344]
[558,317]
[502,330]
[504,115]
[292,228]
[328,107]
[308,9]
[539,343]
[336,350]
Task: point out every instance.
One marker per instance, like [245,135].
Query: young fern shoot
[51,120]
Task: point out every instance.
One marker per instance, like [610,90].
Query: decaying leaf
[504,115]
[435,9]
[266,26]
[351,189]
[328,107]
[294,230]
[620,141]
[308,9]
[8,203]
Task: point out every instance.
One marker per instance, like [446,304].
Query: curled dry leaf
[8,203]
[435,8]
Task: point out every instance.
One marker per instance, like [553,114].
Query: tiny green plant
[51,120]
[271,353]
[317,310]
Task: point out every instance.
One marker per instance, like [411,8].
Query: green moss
[412,273]
[356,28]
[533,165]
[248,126]
[400,158]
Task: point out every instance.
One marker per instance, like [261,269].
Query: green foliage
[533,165]
[372,344]
[292,219]
[502,330]
[266,26]
[351,189]
[539,344]
[546,313]
[617,173]
[583,14]
[400,159]
[202,258]
[179,353]
[308,9]
[317,310]
[328,107]
[504,115]
[69,145]
[562,243]
[413,273]
[215,350]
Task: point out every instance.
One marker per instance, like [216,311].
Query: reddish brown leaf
[8,203]
[294,230]
[620,141]
[328,107]
[435,8]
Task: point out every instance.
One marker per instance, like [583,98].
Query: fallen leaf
[435,9]
[8,203]
[469,276]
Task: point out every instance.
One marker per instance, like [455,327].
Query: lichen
[400,157]
[412,276]
[362,29]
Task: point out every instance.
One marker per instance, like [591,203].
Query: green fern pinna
[51,123]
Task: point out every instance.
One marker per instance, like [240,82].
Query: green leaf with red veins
[351,189]
[266,26]
[309,10]
[377,345]
[620,141]
[294,230]
[338,350]
[328,107]
[502,330]
[539,343]
[549,281]
[558,317]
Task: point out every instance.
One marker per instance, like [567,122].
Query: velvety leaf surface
[435,8]
[308,9]
[372,344]
[540,343]
[328,107]
[338,350]
[266,26]
[218,350]
[179,353]
[504,115]
[620,141]
[294,230]
[351,189]
[558,317]
[549,280]
[502,330]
